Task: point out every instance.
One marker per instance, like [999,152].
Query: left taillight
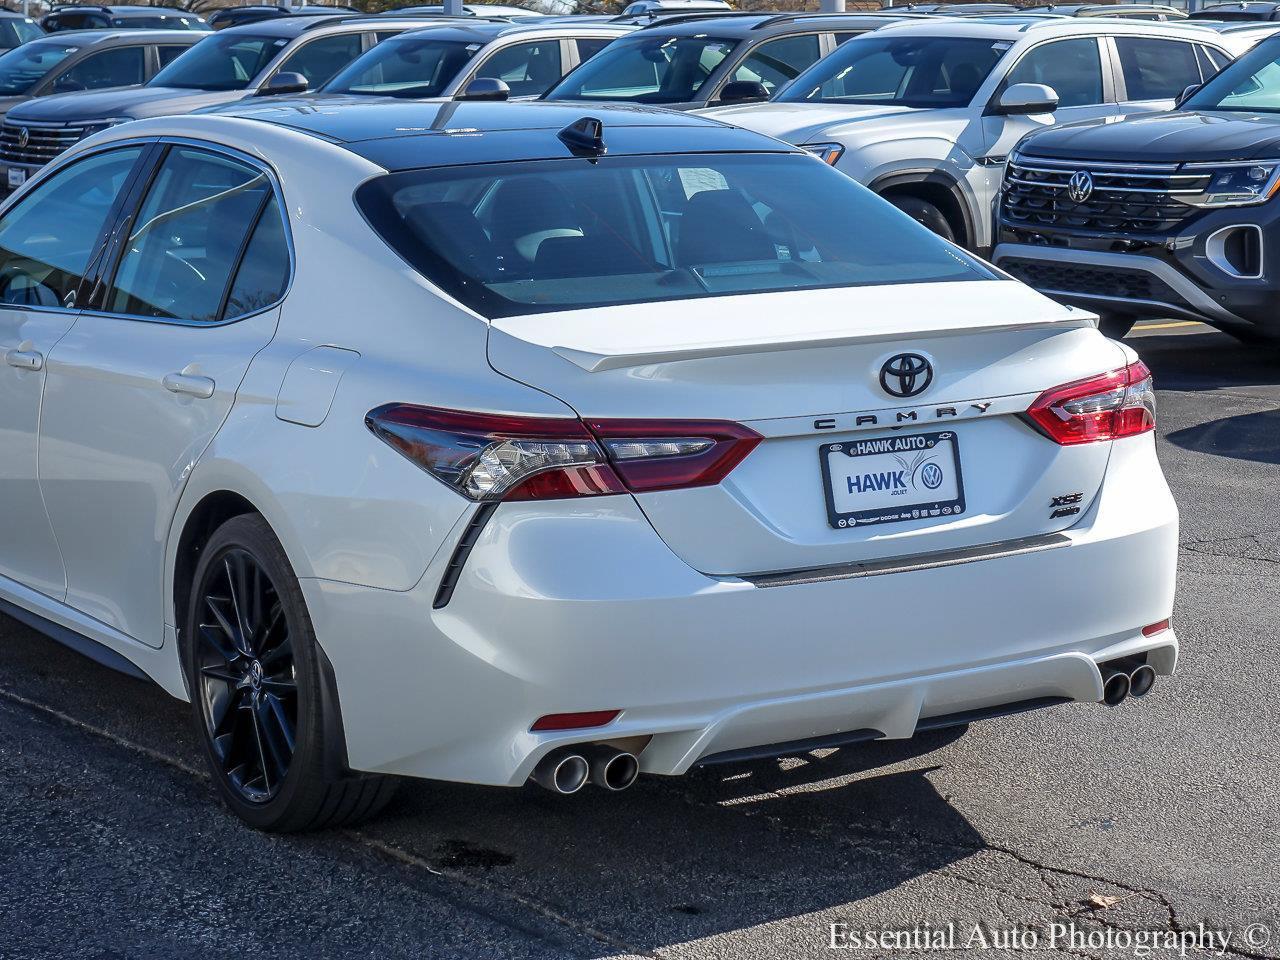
[1121,403]
[488,457]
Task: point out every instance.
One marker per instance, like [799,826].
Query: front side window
[22,69]
[186,240]
[118,67]
[529,69]
[649,69]
[220,62]
[1156,69]
[1072,68]
[778,62]
[531,237]
[320,59]
[907,71]
[406,66]
[1250,84]
[48,240]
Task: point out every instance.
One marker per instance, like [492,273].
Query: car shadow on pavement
[723,849]
[1245,436]
[1207,361]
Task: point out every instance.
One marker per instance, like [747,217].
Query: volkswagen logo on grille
[906,375]
[24,137]
[1080,186]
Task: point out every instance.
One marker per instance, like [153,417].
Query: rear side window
[778,62]
[1211,60]
[1156,69]
[652,69]
[529,69]
[1072,67]
[588,47]
[187,238]
[263,273]
[118,67]
[530,237]
[48,240]
[320,59]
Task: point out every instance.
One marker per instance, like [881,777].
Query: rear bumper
[565,607]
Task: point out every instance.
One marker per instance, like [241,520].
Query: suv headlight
[1238,184]
[828,153]
[97,126]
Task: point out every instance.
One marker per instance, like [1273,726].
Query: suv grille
[43,143]
[1133,198]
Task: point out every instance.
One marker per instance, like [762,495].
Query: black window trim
[106,236]
[110,257]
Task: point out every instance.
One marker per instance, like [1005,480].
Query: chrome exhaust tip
[613,769]
[1141,680]
[1115,686]
[562,771]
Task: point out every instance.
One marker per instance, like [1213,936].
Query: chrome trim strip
[911,564]
[1020,161]
[1105,188]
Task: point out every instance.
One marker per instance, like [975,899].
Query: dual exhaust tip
[1126,678]
[568,769]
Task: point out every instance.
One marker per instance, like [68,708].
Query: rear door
[137,390]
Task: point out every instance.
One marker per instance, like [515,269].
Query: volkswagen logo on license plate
[906,375]
[1080,186]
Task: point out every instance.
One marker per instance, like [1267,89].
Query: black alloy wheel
[263,694]
[248,684]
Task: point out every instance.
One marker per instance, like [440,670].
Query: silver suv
[926,112]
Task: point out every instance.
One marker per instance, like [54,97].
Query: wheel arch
[937,188]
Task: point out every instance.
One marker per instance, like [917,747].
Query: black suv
[1167,214]
[83,16]
[1251,10]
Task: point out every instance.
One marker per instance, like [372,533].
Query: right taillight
[488,457]
[1121,403]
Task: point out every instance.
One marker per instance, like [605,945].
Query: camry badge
[906,375]
[1080,186]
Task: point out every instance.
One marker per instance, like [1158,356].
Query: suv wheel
[256,688]
[922,211]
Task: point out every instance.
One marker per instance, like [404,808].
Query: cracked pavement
[1156,816]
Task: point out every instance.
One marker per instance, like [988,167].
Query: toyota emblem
[906,375]
[24,137]
[1080,186]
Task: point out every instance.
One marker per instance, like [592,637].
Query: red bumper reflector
[575,721]
[1153,629]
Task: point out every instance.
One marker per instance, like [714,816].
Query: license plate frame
[917,450]
[16,177]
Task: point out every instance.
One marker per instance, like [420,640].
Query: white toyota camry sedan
[494,442]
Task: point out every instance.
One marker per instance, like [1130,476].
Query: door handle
[25,359]
[189,385]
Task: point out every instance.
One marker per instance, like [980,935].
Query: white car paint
[963,147]
[646,603]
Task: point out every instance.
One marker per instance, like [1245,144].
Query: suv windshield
[1251,84]
[901,71]
[22,68]
[220,63]
[405,67]
[646,70]
[530,237]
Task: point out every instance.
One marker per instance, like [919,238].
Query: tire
[1116,325]
[922,211]
[256,679]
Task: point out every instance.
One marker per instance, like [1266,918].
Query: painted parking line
[1168,326]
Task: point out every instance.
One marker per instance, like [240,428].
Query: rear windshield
[906,71]
[405,67]
[21,68]
[225,62]
[650,69]
[530,237]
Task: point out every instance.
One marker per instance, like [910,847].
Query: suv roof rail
[82,6]
[830,15]
[327,20]
[662,18]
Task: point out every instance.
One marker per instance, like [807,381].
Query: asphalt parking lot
[1156,816]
